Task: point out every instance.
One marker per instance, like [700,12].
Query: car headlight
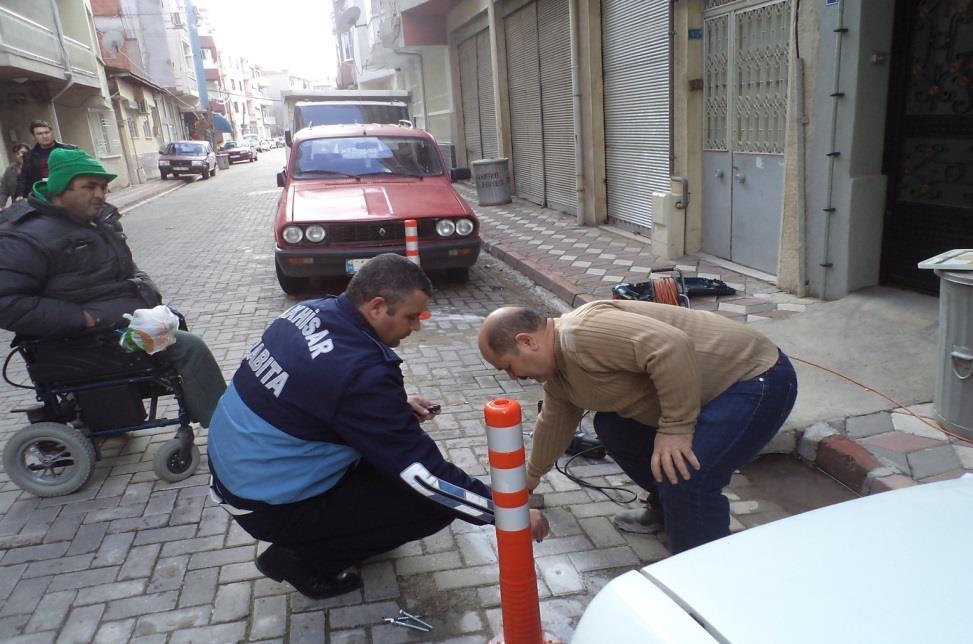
[292,234]
[163,162]
[445,227]
[315,233]
[464,227]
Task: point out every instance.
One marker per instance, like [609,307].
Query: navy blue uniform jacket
[318,392]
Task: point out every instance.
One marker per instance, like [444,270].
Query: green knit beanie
[65,165]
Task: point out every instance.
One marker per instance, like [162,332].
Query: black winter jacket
[35,166]
[52,269]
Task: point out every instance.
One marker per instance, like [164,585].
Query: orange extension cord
[665,290]
[925,420]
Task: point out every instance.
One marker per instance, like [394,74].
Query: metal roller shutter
[524,88]
[469,97]
[488,113]
[636,63]
[554,43]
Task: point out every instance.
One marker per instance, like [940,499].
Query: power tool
[582,441]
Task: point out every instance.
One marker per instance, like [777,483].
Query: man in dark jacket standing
[36,161]
[316,448]
[65,269]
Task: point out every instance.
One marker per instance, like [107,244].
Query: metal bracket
[683,202]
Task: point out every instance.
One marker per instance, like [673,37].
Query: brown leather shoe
[284,564]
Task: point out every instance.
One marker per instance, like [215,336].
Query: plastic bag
[149,330]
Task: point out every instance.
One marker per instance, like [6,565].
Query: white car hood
[895,567]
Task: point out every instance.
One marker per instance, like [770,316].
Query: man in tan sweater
[682,398]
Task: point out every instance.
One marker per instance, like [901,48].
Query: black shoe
[283,564]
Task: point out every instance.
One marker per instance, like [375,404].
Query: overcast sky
[291,34]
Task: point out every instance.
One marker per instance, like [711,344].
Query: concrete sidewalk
[135,195]
[883,338]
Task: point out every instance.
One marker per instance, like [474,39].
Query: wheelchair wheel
[49,459]
[169,466]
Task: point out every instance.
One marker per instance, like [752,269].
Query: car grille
[388,232]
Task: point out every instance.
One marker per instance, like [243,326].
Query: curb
[820,445]
[149,195]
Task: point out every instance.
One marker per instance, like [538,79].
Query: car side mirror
[162,150]
[287,138]
[281,178]
[459,174]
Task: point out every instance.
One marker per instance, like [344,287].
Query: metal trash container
[223,161]
[954,382]
[492,181]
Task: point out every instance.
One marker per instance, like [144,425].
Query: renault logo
[381,232]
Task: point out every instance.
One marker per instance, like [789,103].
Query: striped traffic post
[412,241]
[519,604]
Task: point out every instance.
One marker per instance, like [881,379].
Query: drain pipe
[801,123]
[836,94]
[422,84]
[67,69]
[576,110]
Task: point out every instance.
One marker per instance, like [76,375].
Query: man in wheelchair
[66,272]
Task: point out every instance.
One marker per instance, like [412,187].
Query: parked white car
[892,568]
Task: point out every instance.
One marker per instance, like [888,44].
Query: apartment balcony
[212,74]
[423,22]
[31,50]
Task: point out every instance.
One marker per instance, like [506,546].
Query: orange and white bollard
[412,241]
[519,604]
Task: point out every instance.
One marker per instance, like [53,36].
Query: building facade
[50,70]
[821,145]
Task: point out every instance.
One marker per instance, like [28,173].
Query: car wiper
[393,174]
[304,173]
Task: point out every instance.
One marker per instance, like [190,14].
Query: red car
[348,190]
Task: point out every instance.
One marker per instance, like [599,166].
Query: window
[104,133]
[146,129]
[187,148]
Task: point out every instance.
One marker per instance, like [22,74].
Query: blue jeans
[731,430]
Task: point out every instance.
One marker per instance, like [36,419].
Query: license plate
[352,265]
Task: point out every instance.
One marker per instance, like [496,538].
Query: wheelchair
[89,388]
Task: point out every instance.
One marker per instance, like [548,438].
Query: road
[129,557]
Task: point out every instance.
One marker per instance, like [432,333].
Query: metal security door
[636,67]
[929,144]
[554,45]
[745,99]
[524,89]
[476,96]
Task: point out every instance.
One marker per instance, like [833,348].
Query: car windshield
[186,148]
[229,145]
[367,155]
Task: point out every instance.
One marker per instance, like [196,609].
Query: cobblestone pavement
[132,558]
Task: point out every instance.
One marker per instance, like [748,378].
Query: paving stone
[221,557]
[477,548]
[160,535]
[171,620]
[560,575]
[9,576]
[139,562]
[142,605]
[84,578]
[362,615]
[911,425]
[232,602]
[307,628]
[935,460]
[408,566]
[113,549]
[51,611]
[601,532]
[114,632]
[81,625]
[199,587]
[234,632]
[36,553]
[108,592]
[25,596]
[891,482]
[168,574]
[379,581]
[269,617]
[604,558]
[862,426]
[466,578]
